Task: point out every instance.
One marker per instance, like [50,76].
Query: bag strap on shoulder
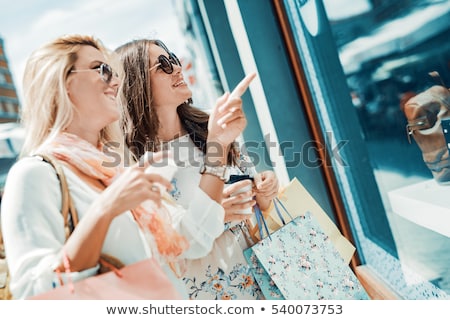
[67,205]
[67,209]
[107,262]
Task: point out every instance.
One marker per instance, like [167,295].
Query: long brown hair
[140,121]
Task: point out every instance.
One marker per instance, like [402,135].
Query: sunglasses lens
[166,66]
[106,73]
[174,59]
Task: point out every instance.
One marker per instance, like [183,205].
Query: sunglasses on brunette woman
[166,63]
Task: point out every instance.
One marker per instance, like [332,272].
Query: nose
[177,68]
[115,80]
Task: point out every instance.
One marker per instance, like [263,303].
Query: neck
[91,137]
[169,126]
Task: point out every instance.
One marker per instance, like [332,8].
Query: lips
[179,83]
[111,95]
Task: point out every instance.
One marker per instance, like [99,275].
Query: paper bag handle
[276,203]
[261,222]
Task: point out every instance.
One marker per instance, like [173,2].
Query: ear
[68,82]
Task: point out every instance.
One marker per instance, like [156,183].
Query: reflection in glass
[387,50]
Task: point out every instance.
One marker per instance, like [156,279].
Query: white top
[189,159]
[33,227]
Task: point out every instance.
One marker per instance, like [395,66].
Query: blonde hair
[47,109]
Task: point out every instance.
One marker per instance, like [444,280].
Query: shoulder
[31,170]
[33,167]
[31,186]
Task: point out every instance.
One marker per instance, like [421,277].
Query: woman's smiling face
[94,99]
[167,89]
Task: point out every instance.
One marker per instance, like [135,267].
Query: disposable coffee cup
[166,169]
[247,188]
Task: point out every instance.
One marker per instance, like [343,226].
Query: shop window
[382,65]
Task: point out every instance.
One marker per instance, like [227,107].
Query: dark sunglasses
[105,71]
[166,63]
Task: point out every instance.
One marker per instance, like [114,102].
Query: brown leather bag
[424,113]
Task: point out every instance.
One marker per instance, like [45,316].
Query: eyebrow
[94,62]
[97,62]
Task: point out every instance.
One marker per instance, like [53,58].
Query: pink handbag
[144,280]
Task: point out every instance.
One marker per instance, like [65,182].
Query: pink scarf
[90,160]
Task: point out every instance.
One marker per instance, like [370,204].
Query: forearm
[201,224]
[83,247]
[216,155]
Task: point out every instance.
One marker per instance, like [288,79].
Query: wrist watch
[221,172]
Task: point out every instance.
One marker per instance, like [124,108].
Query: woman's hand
[234,202]
[267,186]
[227,121]
[133,187]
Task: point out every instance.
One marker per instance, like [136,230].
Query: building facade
[9,101]
[333,120]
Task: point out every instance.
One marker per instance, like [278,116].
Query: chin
[180,102]
[187,94]
[113,117]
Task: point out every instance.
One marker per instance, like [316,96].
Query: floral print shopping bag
[299,262]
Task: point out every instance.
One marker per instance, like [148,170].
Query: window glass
[9,107]
[302,68]
[385,51]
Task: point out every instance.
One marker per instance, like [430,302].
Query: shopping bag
[300,262]
[262,278]
[144,280]
[297,201]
